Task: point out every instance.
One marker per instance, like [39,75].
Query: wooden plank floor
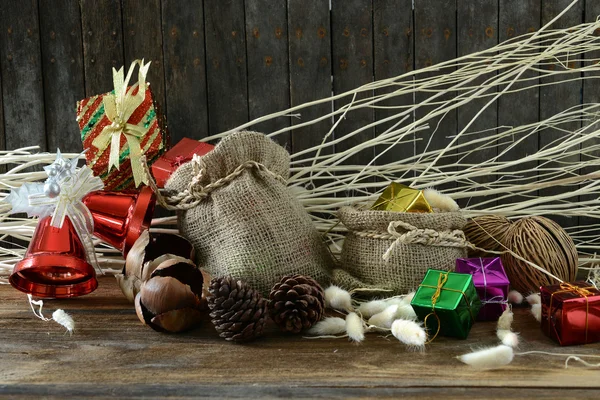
[113,355]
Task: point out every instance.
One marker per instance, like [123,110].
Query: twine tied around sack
[196,192]
[426,237]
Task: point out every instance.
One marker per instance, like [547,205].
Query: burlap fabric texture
[242,219]
[392,251]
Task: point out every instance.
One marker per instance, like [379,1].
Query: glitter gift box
[401,198]
[447,302]
[142,125]
[571,313]
[491,284]
[179,154]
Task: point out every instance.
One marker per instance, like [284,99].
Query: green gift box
[448,301]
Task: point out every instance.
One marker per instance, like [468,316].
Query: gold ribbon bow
[119,107]
[442,279]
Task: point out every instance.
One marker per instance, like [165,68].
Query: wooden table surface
[112,354]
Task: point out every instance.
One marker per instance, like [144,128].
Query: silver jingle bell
[51,189]
[64,174]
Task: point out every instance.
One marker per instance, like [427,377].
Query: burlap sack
[244,221]
[391,251]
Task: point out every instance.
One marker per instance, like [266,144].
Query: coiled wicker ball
[536,239]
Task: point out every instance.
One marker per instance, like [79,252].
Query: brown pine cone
[296,303]
[238,312]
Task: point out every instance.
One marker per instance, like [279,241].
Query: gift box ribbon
[442,279]
[493,300]
[118,108]
[69,204]
[581,291]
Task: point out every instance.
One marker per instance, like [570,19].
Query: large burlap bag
[242,218]
[392,251]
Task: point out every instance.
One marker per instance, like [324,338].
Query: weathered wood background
[218,64]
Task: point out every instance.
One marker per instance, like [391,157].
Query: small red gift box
[181,153]
[571,313]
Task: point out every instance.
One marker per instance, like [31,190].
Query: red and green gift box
[571,313]
[447,302]
[119,127]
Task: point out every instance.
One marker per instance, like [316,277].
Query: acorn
[147,253]
[170,299]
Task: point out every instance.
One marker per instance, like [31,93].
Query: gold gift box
[401,198]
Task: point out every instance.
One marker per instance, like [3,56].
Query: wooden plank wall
[217,64]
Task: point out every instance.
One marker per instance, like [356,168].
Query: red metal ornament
[55,264]
[121,217]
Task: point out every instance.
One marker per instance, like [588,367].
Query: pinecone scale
[296,303]
[238,312]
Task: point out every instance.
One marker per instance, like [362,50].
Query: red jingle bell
[121,217]
[55,264]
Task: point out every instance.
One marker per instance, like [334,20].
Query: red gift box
[571,313]
[181,153]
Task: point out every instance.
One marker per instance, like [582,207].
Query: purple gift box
[491,283]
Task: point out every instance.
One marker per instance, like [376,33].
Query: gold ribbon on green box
[451,299]
[119,107]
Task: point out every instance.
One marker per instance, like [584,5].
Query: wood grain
[569,94]
[102,30]
[185,69]
[310,67]
[62,62]
[113,354]
[2,138]
[352,52]
[227,77]
[268,72]
[21,70]
[518,17]
[393,40]
[218,63]
[142,39]
[435,41]
[591,94]
[477,22]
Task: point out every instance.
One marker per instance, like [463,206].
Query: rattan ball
[486,232]
[536,239]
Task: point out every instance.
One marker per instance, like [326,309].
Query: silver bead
[51,189]
[52,171]
[68,165]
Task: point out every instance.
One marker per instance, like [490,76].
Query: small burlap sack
[390,252]
[242,219]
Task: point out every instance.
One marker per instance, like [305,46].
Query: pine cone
[238,312]
[296,303]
